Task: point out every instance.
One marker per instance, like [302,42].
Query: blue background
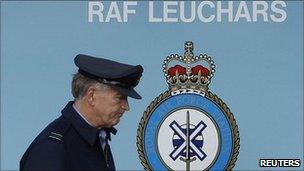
[259,73]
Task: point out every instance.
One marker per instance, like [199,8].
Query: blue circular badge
[203,106]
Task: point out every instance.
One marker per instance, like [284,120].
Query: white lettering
[239,14]
[220,11]
[127,11]
[257,11]
[297,163]
[200,11]
[113,13]
[97,11]
[262,162]
[151,13]
[168,11]
[190,11]
[182,12]
[279,11]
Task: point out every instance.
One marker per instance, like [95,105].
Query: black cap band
[105,81]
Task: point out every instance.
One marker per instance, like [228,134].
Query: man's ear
[90,95]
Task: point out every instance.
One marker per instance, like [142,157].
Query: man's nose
[125,105]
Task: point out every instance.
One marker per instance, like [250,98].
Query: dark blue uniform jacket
[68,143]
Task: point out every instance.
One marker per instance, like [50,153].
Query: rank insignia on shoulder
[188,127]
[56,136]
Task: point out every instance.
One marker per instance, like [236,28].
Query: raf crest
[188,127]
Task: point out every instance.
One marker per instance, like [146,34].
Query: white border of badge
[188,89]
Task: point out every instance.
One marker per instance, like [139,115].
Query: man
[78,139]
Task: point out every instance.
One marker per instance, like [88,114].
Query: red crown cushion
[181,70]
[196,69]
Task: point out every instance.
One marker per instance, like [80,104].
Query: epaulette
[59,130]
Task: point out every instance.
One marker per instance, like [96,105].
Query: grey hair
[81,83]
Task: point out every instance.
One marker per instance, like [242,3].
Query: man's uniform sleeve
[46,155]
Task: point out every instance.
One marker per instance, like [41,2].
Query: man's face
[109,106]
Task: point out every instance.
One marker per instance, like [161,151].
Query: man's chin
[115,122]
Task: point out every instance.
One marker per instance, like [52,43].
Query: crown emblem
[188,71]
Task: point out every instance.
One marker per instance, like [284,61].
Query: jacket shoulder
[47,151]
[57,129]
[45,155]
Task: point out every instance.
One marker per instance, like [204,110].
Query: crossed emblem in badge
[188,146]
